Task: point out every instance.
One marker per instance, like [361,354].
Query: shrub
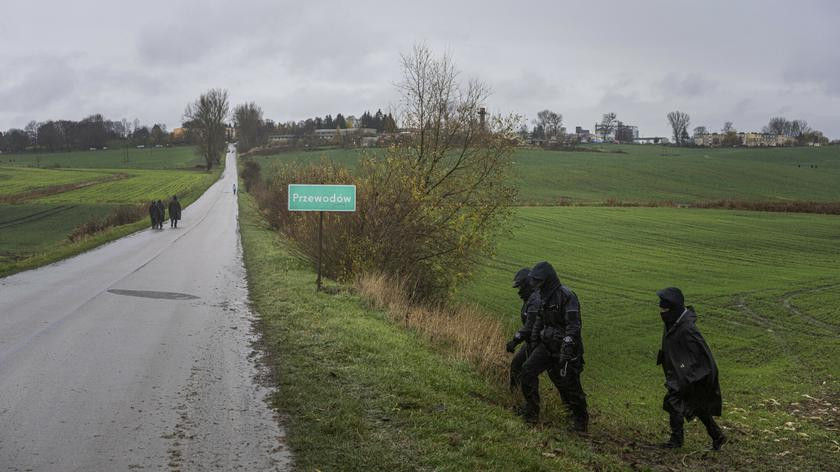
[250,173]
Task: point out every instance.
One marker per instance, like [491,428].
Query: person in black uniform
[174,211]
[153,214]
[161,214]
[560,350]
[691,375]
[528,314]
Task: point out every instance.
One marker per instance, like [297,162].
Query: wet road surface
[139,355]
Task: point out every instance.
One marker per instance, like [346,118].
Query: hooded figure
[174,212]
[560,351]
[528,314]
[159,214]
[153,214]
[691,375]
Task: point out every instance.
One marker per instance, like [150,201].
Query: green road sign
[322,197]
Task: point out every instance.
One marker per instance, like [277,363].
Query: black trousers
[672,404]
[565,377]
[516,366]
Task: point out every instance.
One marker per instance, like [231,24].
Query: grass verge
[359,392]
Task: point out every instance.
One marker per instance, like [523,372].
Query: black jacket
[690,370]
[559,322]
[529,313]
[175,210]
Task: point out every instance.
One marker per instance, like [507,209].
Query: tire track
[794,310]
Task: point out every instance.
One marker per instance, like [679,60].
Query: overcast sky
[718,60]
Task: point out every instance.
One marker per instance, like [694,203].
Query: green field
[141,186]
[642,174]
[178,157]
[15,180]
[44,205]
[766,287]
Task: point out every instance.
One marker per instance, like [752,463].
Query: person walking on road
[153,214]
[174,211]
[161,214]
[234,189]
[691,375]
[560,350]
[528,314]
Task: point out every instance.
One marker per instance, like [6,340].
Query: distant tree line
[796,129]
[92,132]
[799,132]
[381,122]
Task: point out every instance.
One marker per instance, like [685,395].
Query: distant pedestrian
[174,212]
[528,315]
[161,214]
[153,214]
[691,375]
[234,189]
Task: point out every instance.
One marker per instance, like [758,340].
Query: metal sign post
[321,198]
[320,248]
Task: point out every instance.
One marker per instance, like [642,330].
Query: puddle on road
[153,294]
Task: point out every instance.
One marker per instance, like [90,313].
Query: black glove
[511,345]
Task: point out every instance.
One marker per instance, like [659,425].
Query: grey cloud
[743,106]
[687,85]
[37,83]
[821,71]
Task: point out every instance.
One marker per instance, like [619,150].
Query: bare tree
[456,171]
[798,128]
[606,126]
[31,130]
[779,126]
[248,118]
[730,135]
[700,130]
[551,122]
[206,117]
[679,122]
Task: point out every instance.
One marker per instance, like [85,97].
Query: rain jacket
[174,210]
[691,375]
[559,324]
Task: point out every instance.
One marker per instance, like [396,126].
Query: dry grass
[122,215]
[464,330]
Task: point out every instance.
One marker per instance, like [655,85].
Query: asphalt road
[139,355]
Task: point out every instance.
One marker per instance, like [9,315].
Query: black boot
[528,414]
[675,442]
[714,431]
[580,420]
[580,424]
[677,433]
